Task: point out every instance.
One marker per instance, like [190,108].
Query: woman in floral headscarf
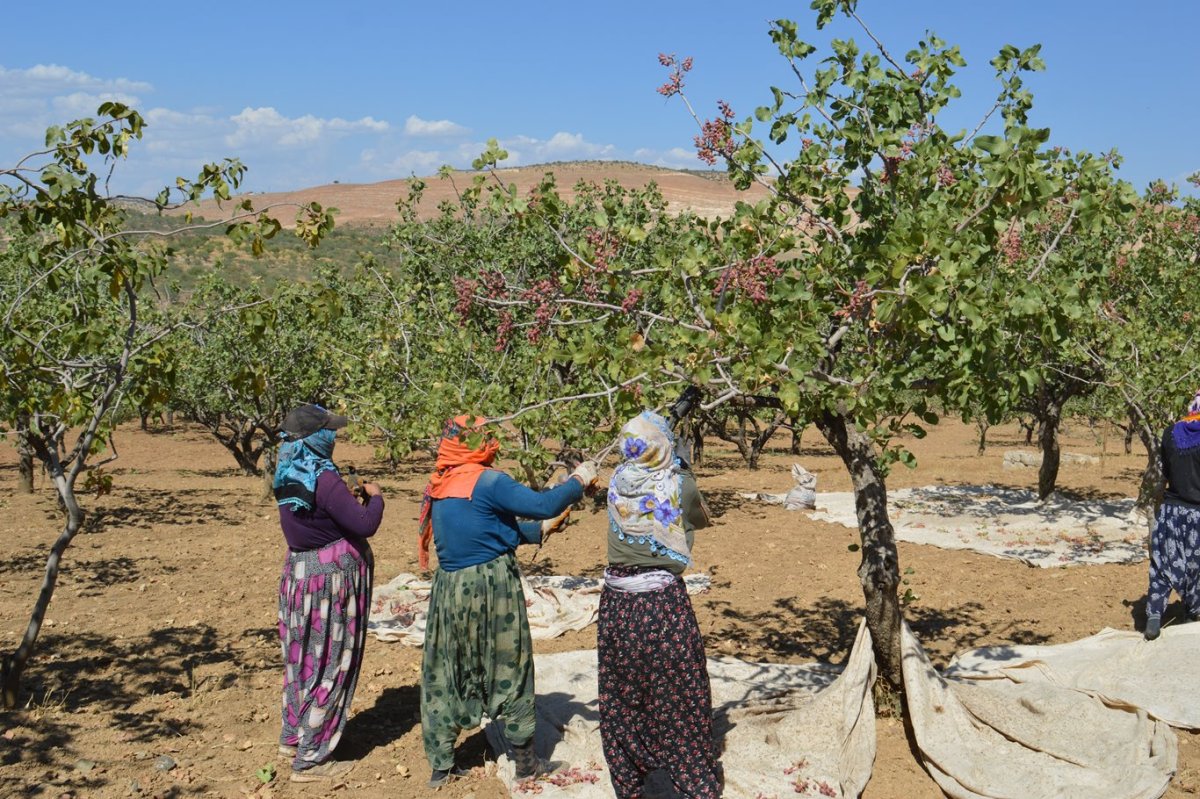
[1175,539]
[478,655]
[655,701]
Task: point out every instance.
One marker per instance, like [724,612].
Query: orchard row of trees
[897,271]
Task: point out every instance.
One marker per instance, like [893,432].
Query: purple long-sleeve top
[337,514]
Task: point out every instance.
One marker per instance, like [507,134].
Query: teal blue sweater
[467,532]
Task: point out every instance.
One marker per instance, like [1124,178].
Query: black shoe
[442,777]
[1153,627]
[528,764]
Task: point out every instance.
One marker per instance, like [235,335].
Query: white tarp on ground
[1004,740]
[791,730]
[1006,522]
[1120,667]
[554,604]
[787,730]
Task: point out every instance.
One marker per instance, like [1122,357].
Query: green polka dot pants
[478,657]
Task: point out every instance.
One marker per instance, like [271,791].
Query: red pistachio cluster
[464,290]
[716,136]
[631,300]
[1010,244]
[751,277]
[857,302]
[674,84]
[504,330]
[541,293]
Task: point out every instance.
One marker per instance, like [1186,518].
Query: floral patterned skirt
[655,700]
[1174,558]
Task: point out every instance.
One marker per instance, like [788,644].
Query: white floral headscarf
[645,492]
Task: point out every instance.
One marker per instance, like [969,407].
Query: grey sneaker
[329,771]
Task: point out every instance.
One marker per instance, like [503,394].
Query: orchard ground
[161,637]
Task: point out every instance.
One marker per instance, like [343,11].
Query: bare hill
[374,204]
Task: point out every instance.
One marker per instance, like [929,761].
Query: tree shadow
[145,508]
[30,561]
[722,500]
[824,630]
[84,672]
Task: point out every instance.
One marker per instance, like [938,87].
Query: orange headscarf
[457,470]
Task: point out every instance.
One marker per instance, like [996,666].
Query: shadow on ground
[825,631]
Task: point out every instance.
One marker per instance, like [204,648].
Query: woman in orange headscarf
[478,655]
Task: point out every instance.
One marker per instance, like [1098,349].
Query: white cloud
[559,147]
[413,162]
[45,79]
[268,126]
[674,158]
[33,99]
[415,126]
[281,151]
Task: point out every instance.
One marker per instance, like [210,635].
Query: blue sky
[306,93]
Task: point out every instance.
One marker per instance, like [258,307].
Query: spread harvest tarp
[554,604]
[1007,523]
[803,730]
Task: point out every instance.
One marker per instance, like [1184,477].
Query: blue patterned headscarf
[646,491]
[301,462]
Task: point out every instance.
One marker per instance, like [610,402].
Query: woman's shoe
[1153,627]
[526,761]
[441,777]
[328,771]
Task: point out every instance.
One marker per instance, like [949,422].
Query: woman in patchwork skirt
[1175,539]
[655,700]
[325,591]
[478,656]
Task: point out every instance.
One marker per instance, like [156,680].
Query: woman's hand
[371,489]
[550,526]
[588,474]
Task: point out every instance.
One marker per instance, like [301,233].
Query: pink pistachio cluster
[504,330]
[541,293]
[752,277]
[674,84]
[464,290]
[945,177]
[604,248]
[1010,244]
[716,136]
[494,286]
[857,303]
[631,300]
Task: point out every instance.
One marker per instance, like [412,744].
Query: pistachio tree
[77,283]
[866,290]
[1150,323]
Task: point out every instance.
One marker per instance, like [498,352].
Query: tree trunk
[797,433]
[13,665]
[1028,427]
[1048,441]
[697,427]
[879,571]
[761,438]
[1150,492]
[982,426]
[269,457]
[24,457]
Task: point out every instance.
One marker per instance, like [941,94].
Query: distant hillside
[708,194]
